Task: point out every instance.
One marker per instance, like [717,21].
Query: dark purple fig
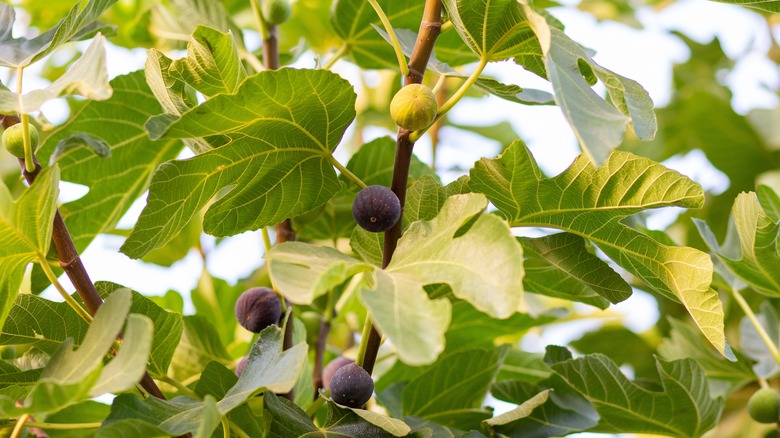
[331,368]
[241,365]
[257,308]
[376,209]
[351,386]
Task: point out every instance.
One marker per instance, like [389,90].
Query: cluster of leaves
[461,289]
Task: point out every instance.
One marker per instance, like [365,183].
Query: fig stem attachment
[346,172]
[455,98]
[261,24]
[29,164]
[65,295]
[399,53]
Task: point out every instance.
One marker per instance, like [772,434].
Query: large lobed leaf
[592,203]
[684,408]
[282,128]
[598,125]
[116,182]
[25,232]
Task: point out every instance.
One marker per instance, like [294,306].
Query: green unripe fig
[764,406]
[276,12]
[414,107]
[13,139]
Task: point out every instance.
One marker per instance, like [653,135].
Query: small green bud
[414,107]
[13,139]
[276,11]
[764,406]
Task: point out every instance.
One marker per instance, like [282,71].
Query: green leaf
[599,126]
[559,265]
[77,25]
[303,272]
[25,232]
[71,376]
[41,324]
[268,370]
[98,146]
[176,20]
[212,65]
[751,249]
[483,264]
[763,5]
[454,399]
[199,345]
[284,419]
[685,342]
[592,203]
[88,77]
[684,408]
[352,21]
[496,30]
[129,365]
[753,344]
[116,182]
[167,327]
[565,411]
[625,347]
[173,94]
[402,311]
[216,381]
[284,126]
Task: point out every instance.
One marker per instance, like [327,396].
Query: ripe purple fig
[257,308]
[376,209]
[351,386]
[331,368]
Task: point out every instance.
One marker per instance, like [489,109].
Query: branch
[70,260]
[430,27]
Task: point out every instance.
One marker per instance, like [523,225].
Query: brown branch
[319,354]
[70,261]
[430,27]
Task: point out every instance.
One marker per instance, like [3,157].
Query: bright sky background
[644,55]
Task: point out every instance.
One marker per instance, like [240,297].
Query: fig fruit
[276,12]
[13,139]
[241,365]
[331,368]
[764,406]
[351,386]
[376,209]
[414,107]
[257,308]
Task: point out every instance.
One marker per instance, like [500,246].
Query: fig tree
[414,107]
[764,406]
[276,12]
[257,308]
[376,209]
[331,368]
[351,386]
[13,139]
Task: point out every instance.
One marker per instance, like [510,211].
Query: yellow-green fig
[764,406]
[276,12]
[13,139]
[414,107]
